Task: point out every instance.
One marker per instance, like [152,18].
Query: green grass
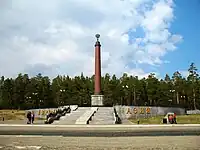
[181,119]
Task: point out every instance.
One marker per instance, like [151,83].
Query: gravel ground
[100,143]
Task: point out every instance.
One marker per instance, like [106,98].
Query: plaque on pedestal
[96,100]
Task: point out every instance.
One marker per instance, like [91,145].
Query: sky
[138,37]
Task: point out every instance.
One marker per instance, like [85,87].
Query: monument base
[96,100]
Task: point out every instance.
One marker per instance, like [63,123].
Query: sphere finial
[97,36]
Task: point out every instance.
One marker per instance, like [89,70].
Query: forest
[40,91]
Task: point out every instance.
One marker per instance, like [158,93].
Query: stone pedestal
[96,100]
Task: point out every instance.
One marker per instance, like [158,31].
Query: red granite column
[97,66]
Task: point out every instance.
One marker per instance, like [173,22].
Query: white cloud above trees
[57,37]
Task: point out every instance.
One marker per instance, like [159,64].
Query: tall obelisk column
[97,98]
[97,83]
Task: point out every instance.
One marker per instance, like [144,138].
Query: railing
[87,116]
[117,118]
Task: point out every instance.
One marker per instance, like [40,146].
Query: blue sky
[186,23]
[137,36]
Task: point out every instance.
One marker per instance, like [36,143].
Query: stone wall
[194,112]
[127,112]
[41,113]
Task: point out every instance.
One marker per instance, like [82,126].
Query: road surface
[100,130]
[99,137]
[100,143]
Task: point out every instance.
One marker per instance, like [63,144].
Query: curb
[100,126]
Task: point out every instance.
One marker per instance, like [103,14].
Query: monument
[97,98]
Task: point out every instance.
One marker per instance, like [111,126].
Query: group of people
[172,118]
[56,115]
[30,117]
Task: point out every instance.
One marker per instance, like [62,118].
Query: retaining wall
[190,112]
[127,112]
[42,113]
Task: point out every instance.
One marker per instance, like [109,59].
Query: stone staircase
[103,116]
[72,117]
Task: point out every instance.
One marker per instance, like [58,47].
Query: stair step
[73,116]
[103,116]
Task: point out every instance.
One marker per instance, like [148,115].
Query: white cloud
[158,17]
[141,74]
[184,73]
[57,37]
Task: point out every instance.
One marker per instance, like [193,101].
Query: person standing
[170,118]
[32,117]
[175,118]
[28,117]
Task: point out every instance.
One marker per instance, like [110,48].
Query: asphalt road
[101,130]
[99,143]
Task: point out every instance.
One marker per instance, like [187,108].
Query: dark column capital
[97,44]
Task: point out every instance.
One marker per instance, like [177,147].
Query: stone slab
[97,100]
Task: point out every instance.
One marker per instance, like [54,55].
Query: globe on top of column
[97,36]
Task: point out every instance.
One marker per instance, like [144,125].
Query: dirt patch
[12,115]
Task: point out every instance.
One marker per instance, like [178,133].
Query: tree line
[40,91]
